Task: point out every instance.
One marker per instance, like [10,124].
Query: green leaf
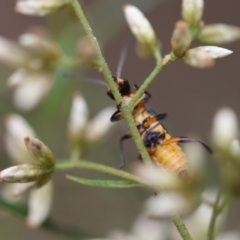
[104,183]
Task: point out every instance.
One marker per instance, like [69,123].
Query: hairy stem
[100,168]
[217,210]
[108,77]
[126,110]
[159,67]
[181,227]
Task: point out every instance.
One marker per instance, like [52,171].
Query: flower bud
[202,57]
[40,202]
[12,54]
[197,58]
[23,173]
[40,46]
[225,128]
[216,34]
[39,7]
[33,87]
[181,38]
[78,118]
[16,129]
[140,26]
[99,126]
[40,152]
[192,11]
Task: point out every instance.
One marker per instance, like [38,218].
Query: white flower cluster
[186,30]
[34,172]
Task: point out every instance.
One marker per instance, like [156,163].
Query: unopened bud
[78,118]
[140,26]
[23,173]
[225,128]
[181,38]
[192,11]
[40,152]
[202,57]
[219,34]
[39,7]
[40,202]
[197,58]
[99,126]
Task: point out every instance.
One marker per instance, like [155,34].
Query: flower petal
[40,202]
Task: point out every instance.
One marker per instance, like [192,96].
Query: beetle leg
[116,116]
[122,153]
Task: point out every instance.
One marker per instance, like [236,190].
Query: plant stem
[159,67]
[126,110]
[181,227]
[113,87]
[100,168]
[217,209]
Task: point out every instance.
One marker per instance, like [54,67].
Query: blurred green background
[190,97]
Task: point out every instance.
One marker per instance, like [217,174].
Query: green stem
[113,87]
[100,168]
[217,209]
[159,67]
[181,227]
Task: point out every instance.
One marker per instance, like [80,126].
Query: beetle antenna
[95,80]
[122,57]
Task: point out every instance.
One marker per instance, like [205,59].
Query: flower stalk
[108,77]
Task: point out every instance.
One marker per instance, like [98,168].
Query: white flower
[16,129]
[158,177]
[100,125]
[34,58]
[39,7]
[192,11]
[23,173]
[12,54]
[78,118]
[202,57]
[196,155]
[219,34]
[40,202]
[32,87]
[214,52]
[225,128]
[139,25]
[34,176]
[167,204]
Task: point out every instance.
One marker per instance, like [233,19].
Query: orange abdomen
[171,157]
